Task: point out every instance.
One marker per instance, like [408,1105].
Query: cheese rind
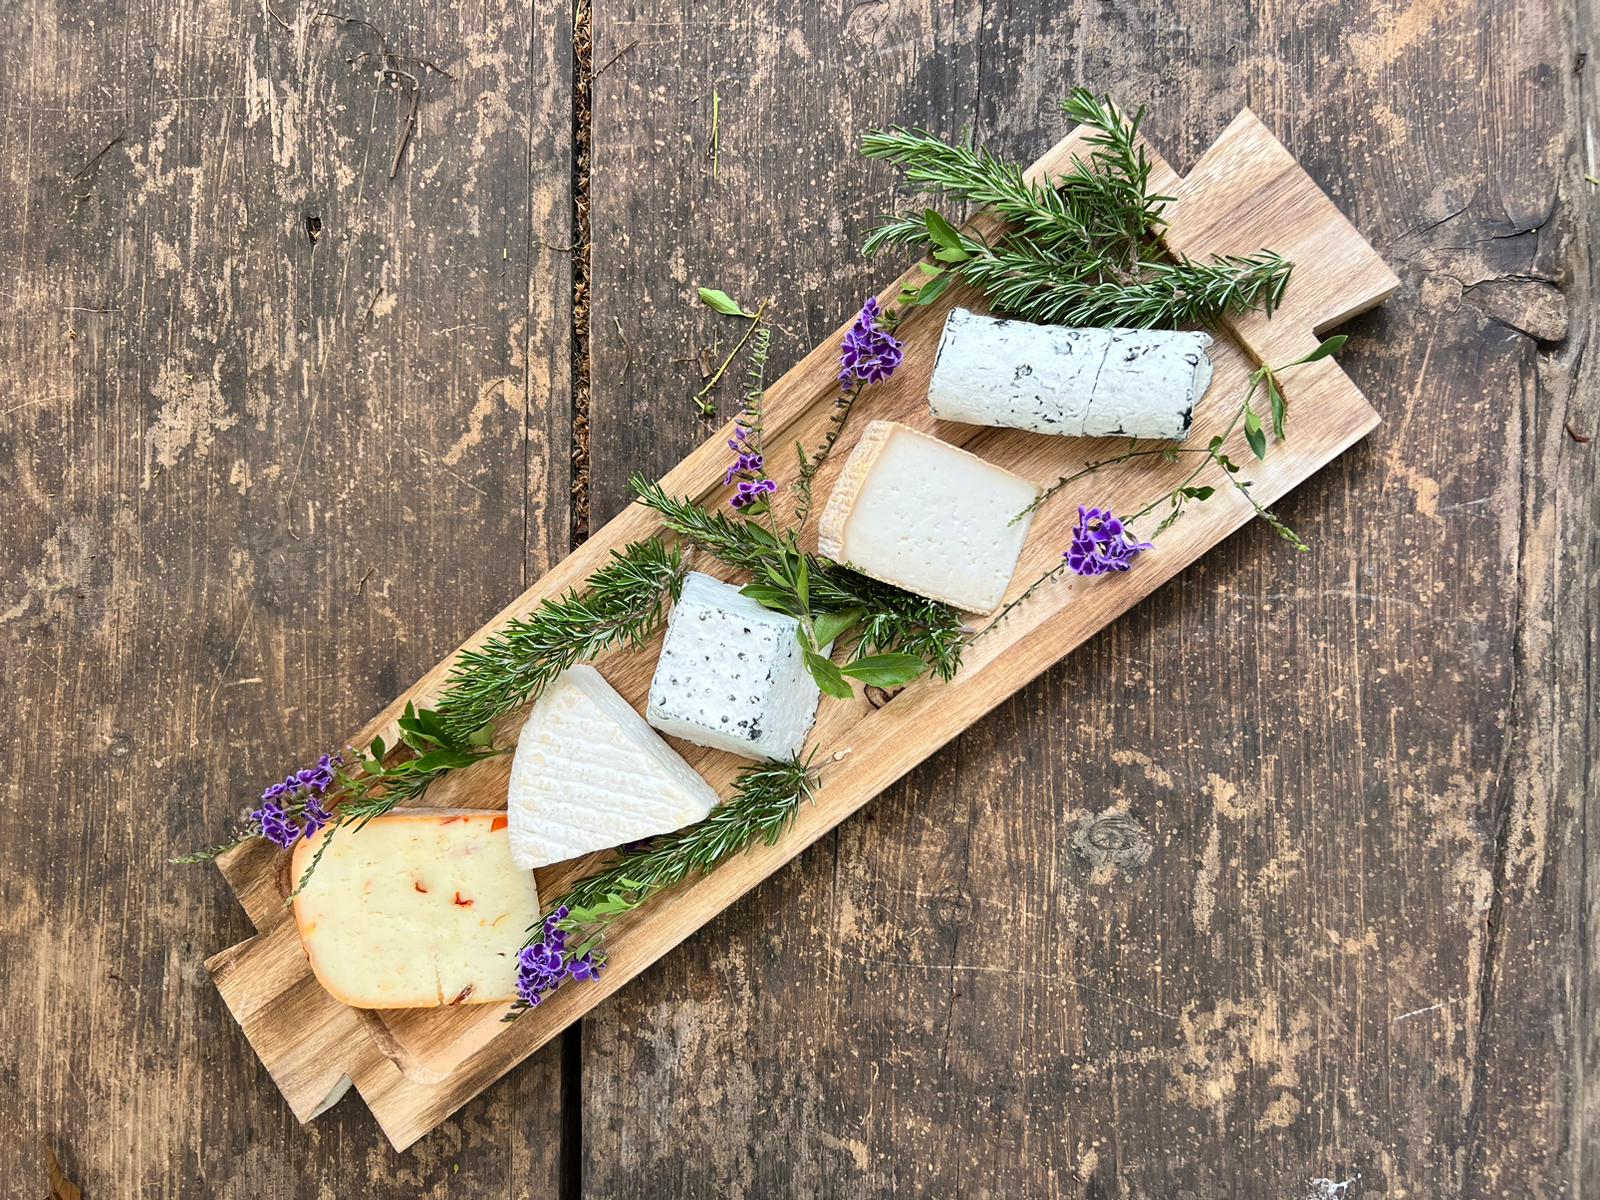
[589,774]
[1077,382]
[415,909]
[928,517]
[731,675]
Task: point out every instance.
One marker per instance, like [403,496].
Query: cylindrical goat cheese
[1076,382]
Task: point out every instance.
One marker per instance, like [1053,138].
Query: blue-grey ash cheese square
[731,675]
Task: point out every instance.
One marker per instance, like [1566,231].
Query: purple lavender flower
[751,492]
[315,816]
[275,824]
[543,966]
[298,796]
[1101,543]
[869,354]
[748,459]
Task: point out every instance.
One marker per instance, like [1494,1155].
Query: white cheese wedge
[928,517]
[589,774]
[1078,382]
[416,909]
[731,675]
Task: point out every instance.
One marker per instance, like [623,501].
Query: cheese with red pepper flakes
[417,909]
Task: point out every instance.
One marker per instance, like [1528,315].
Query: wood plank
[447,1054]
[255,480]
[1314,749]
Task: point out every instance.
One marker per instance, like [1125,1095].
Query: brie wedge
[731,675]
[416,909]
[589,774]
[1078,382]
[928,517]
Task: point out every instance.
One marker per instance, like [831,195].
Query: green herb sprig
[1080,248]
[897,635]
[625,602]
[1265,377]
[765,799]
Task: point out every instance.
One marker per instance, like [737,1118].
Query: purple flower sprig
[544,965]
[294,808]
[749,469]
[869,352]
[1101,543]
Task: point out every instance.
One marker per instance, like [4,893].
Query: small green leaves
[1197,493]
[827,674]
[885,670]
[1330,346]
[1253,433]
[1280,407]
[826,628]
[724,303]
[941,231]
[776,598]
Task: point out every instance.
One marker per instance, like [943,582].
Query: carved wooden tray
[415,1067]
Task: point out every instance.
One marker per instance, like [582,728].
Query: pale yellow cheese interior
[416,910]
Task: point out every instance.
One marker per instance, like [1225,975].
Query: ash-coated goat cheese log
[1076,382]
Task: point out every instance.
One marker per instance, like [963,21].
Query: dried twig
[613,59]
[104,150]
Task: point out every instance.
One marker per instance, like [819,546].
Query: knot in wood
[1113,838]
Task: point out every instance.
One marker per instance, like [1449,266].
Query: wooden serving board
[415,1067]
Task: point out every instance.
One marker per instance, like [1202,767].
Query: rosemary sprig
[765,799]
[1045,287]
[623,602]
[1079,249]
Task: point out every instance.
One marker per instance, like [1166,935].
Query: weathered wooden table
[323,331]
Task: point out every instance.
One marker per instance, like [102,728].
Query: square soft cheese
[416,909]
[928,517]
[589,774]
[731,675]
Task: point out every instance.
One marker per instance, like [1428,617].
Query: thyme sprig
[766,797]
[1080,248]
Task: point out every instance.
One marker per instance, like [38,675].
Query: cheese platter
[944,489]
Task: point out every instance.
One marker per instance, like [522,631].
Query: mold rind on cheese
[589,774]
[1074,382]
[731,675]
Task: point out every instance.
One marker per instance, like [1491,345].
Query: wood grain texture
[255,480]
[428,1061]
[1373,963]
[1361,773]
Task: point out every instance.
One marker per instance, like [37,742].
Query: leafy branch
[1265,378]
[765,799]
[1080,248]
[896,634]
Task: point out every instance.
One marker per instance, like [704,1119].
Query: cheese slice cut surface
[928,517]
[589,774]
[731,675]
[416,909]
